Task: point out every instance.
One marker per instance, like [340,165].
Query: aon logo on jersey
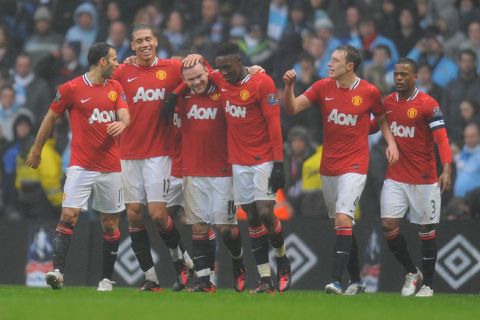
[402,131]
[202,113]
[235,111]
[102,116]
[342,118]
[149,94]
[176,120]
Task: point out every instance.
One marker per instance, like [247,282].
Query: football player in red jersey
[208,186]
[146,148]
[94,102]
[255,151]
[416,122]
[346,102]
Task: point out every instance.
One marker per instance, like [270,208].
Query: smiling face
[144,44]
[111,63]
[196,78]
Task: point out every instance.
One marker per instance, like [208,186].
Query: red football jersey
[177,146]
[252,111]
[91,107]
[346,120]
[204,135]
[412,122]
[146,89]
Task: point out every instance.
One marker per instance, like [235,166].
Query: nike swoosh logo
[131,79]
[199,257]
[328,98]
[342,252]
[390,111]
[114,252]
[84,100]
[224,90]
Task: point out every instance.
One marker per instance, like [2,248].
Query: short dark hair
[352,55]
[97,51]
[227,48]
[469,52]
[409,62]
[143,27]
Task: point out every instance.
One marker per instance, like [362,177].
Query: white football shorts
[106,187]
[146,180]
[423,200]
[342,193]
[175,192]
[250,183]
[209,200]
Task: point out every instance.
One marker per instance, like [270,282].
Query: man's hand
[289,77]
[34,159]
[445,179]
[130,60]
[255,69]
[115,128]
[277,177]
[192,59]
[169,107]
[392,154]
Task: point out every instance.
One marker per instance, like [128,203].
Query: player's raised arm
[392,151]
[34,158]
[293,104]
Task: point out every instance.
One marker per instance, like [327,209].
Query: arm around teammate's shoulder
[293,105]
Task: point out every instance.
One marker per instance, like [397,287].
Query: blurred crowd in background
[44,43]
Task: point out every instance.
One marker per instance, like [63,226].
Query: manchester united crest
[113,96]
[244,95]
[357,100]
[161,74]
[215,96]
[412,113]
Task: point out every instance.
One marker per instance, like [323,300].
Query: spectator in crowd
[425,83]
[117,38]
[452,37]
[470,111]
[467,182]
[297,149]
[84,30]
[44,41]
[22,131]
[464,87]
[256,47]
[318,10]
[238,26]
[213,21]
[9,111]
[352,19]
[201,44]
[298,22]
[429,49]
[388,21]
[107,16]
[380,71]
[277,19]
[31,91]
[370,38]
[468,11]
[175,32]
[7,49]
[473,41]
[408,32]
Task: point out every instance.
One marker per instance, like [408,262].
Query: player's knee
[109,224]
[343,220]
[200,229]
[226,231]
[388,224]
[70,215]
[134,215]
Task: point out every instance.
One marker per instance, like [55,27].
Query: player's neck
[347,80]
[146,63]
[405,95]
[95,76]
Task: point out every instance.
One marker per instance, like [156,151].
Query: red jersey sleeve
[434,118]
[377,105]
[271,109]
[62,100]
[314,93]
[122,99]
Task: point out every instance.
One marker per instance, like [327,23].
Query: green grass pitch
[70,303]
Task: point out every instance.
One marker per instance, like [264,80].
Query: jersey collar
[413,96]
[353,86]
[90,83]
